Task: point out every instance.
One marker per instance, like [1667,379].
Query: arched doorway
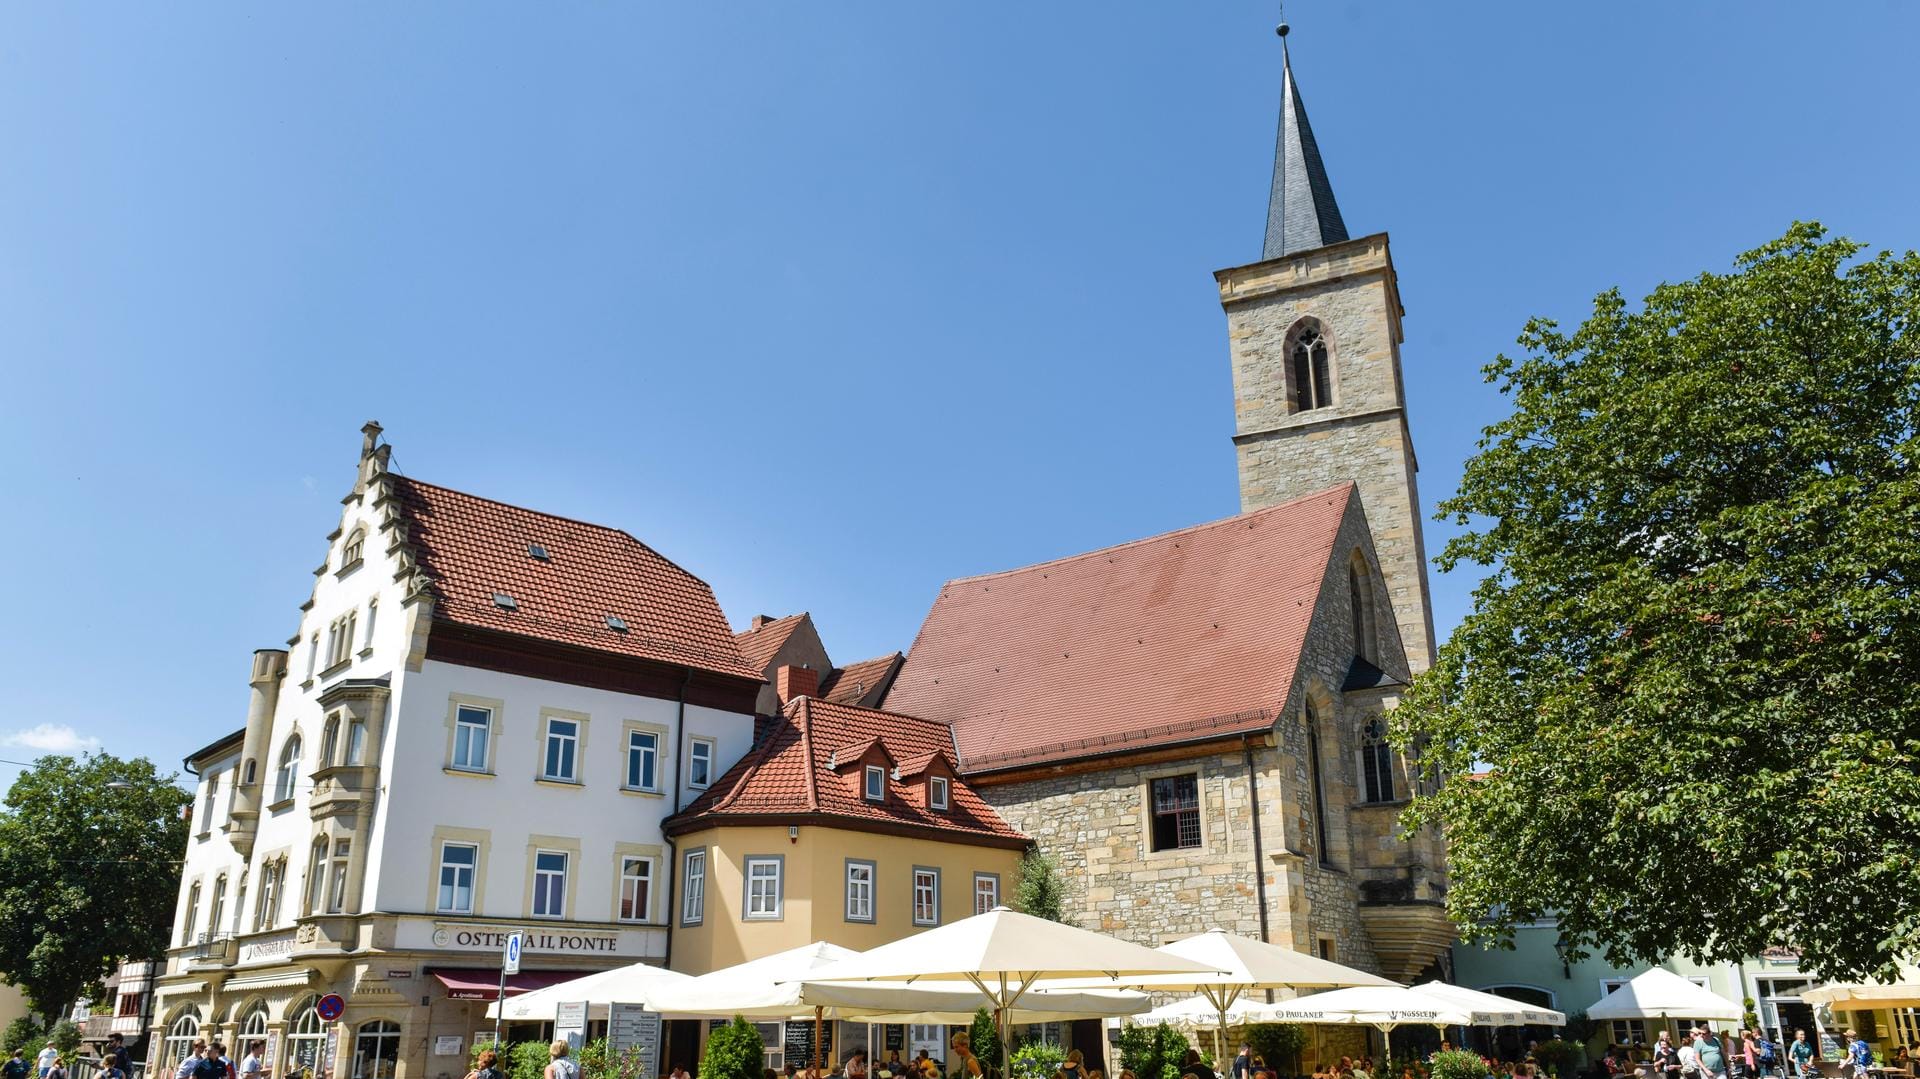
[181,1034]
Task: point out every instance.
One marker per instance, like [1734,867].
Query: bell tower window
[1311,372]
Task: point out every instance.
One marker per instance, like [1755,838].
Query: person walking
[46,1059]
[15,1067]
[1196,1067]
[961,1063]
[1713,1055]
[57,1069]
[109,1069]
[1689,1057]
[191,1062]
[1242,1062]
[559,1064]
[487,1066]
[214,1064]
[1801,1054]
[1666,1059]
[1859,1054]
[251,1067]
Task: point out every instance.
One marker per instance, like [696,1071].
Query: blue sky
[828,302]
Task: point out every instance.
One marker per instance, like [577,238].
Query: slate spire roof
[1301,213]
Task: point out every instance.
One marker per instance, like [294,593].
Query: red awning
[480,983]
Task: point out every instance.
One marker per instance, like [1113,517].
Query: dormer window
[351,550]
[937,792]
[876,783]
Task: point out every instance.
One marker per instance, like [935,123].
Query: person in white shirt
[250,1066]
[45,1060]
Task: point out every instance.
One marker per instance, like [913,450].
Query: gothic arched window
[1360,598]
[1319,785]
[1376,761]
[1310,368]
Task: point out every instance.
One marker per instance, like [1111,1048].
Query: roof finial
[1301,212]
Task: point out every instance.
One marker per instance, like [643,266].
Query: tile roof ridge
[1344,488]
[878,712]
[805,708]
[748,767]
[770,623]
[637,541]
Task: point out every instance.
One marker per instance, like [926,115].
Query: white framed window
[219,906]
[458,861]
[693,901]
[340,639]
[373,615]
[180,1036]
[937,792]
[643,761]
[636,888]
[876,785]
[550,884]
[287,777]
[266,906]
[926,896]
[213,797]
[763,887]
[472,729]
[317,876]
[859,890]
[351,551]
[313,655]
[700,763]
[304,1039]
[192,914]
[337,889]
[563,748]
[329,742]
[356,742]
[986,892]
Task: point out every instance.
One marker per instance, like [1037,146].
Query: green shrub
[1037,1060]
[1155,1052]
[1278,1044]
[985,1040]
[1556,1056]
[734,1051]
[526,1060]
[23,1034]
[65,1037]
[1457,1064]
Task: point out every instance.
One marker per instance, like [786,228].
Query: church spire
[1301,213]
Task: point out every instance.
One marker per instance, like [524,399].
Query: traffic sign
[330,1007]
[510,959]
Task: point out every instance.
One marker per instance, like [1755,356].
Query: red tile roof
[757,646]
[1162,640]
[473,548]
[855,681]
[794,771]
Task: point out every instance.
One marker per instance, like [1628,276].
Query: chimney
[761,620]
[790,682]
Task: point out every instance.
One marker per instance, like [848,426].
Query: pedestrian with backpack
[1766,1052]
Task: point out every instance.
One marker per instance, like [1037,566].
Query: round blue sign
[330,1007]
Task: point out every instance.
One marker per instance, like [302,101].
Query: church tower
[1314,329]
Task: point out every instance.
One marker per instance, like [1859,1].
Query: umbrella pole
[818,1010]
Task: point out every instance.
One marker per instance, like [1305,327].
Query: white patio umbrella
[1199,1013]
[1003,954]
[1489,1010]
[1659,993]
[1384,1007]
[636,983]
[1243,964]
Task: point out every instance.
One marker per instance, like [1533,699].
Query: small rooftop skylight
[616,623]
[504,602]
[538,552]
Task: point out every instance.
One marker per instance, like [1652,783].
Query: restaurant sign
[266,949]
[551,940]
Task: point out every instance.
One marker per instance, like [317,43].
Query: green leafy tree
[1693,669]
[984,1038]
[88,875]
[734,1051]
[1558,1057]
[22,1033]
[65,1036]
[1278,1044]
[1040,891]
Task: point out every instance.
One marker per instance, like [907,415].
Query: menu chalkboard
[799,1044]
[896,1036]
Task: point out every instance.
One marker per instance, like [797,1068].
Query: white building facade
[479,726]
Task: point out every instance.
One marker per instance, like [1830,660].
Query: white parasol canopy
[637,983]
[1489,1010]
[1659,993]
[1242,965]
[1379,1006]
[1868,996]
[1199,1012]
[1003,954]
